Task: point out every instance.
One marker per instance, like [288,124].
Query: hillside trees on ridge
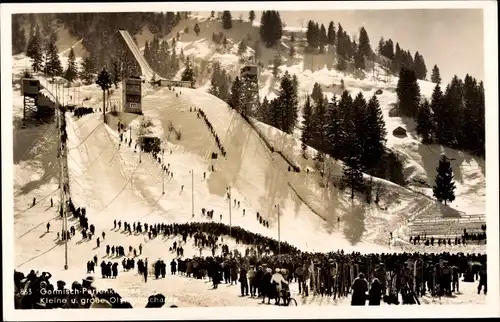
[71,72]
[34,49]
[18,36]
[188,72]
[158,53]
[271,28]
[220,82]
[52,66]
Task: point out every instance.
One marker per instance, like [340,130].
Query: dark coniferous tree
[18,36]
[319,125]
[53,66]
[271,28]
[359,60]
[104,81]
[188,73]
[227,22]
[116,73]
[237,97]
[444,186]
[323,38]
[453,106]
[419,66]
[335,135]
[425,124]
[35,51]
[262,113]
[288,104]
[71,72]
[375,136]
[197,29]
[251,16]
[275,113]
[307,125]
[242,47]
[345,107]
[88,70]
[436,76]
[408,93]
[312,34]
[353,175]
[381,46]
[215,80]
[389,49]
[364,46]
[331,33]
[317,94]
[472,125]
[341,43]
[359,117]
[440,116]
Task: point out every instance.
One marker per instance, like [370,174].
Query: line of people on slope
[201,114]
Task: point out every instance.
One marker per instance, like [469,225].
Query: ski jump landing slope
[262,179]
[146,70]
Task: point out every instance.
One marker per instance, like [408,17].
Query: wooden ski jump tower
[30,89]
[249,75]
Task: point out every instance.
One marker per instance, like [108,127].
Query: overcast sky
[450,38]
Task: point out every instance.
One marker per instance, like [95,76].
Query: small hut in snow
[399,131]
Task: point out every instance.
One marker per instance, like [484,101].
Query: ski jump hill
[146,70]
[262,177]
[107,179]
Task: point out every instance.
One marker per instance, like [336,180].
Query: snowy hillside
[107,178]
[419,160]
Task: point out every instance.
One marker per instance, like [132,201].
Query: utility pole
[162,172]
[192,192]
[229,195]
[62,183]
[279,239]
[104,106]
[130,131]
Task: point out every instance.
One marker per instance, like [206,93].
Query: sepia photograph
[264,156]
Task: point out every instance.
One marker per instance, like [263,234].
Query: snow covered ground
[110,182]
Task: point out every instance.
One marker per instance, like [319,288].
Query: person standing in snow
[375,293]
[359,288]
[48,226]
